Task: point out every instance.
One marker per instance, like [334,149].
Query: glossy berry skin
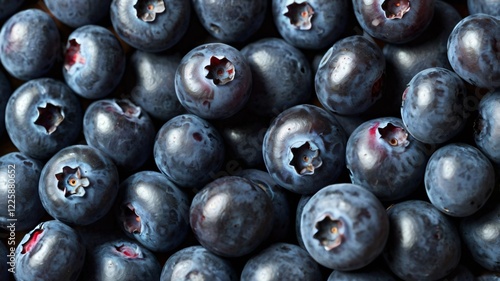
[487,126]
[382,157]
[313,24]
[491,7]
[213,81]
[230,23]
[150,80]
[19,176]
[94,61]
[116,127]
[153,210]
[78,185]
[459,179]
[50,251]
[78,13]
[425,245]
[281,76]
[46,110]
[350,76]
[120,259]
[434,105]
[195,262]
[304,149]
[344,226]
[473,50]
[281,261]
[231,216]
[394,21]
[189,150]
[150,25]
[8,8]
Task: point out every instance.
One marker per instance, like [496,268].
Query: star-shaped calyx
[300,15]
[305,159]
[71,182]
[395,9]
[329,232]
[49,117]
[221,71]
[147,9]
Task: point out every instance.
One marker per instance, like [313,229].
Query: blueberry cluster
[302,140]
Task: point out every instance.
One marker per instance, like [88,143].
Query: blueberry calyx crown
[300,15]
[305,158]
[394,135]
[129,252]
[32,241]
[49,117]
[131,221]
[395,9]
[73,55]
[147,9]
[71,182]
[221,71]
[128,109]
[330,232]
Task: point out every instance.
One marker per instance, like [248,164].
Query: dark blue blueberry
[5,92]
[382,157]
[231,22]
[491,7]
[281,261]
[48,112]
[487,126]
[150,25]
[364,274]
[350,76]
[153,210]
[461,273]
[473,50]
[434,105]
[424,243]
[189,150]
[50,251]
[94,61]
[116,127]
[231,216]
[281,76]
[19,177]
[313,24]
[78,185]
[304,149]
[8,8]
[29,44]
[213,81]
[80,12]
[197,263]
[394,21]
[344,227]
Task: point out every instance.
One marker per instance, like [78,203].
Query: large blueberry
[491,7]
[487,126]
[76,13]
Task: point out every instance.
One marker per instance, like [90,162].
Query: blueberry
[344,227]
[491,7]
[213,81]
[281,261]
[298,217]
[304,149]
[94,61]
[461,273]
[80,12]
[46,110]
[487,126]
[150,25]
[364,274]
[8,8]
[29,44]
[78,185]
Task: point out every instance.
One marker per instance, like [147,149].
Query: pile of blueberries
[249,140]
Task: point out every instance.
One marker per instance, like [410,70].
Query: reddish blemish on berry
[396,9]
[300,15]
[373,130]
[30,244]
[221,71]
[49,117]
[129,252]
[73,55]
[197,137]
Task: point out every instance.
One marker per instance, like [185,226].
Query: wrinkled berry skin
[473,50]
[213,81]
[78,185]
[120,259]
[150,78]
[5,92]
[50,251]
[281,261]
[459,179]
[491,7]
[383,20]
[350,76]
[304,149]
[323,24]
[153,210]
[231,22]
[281,76]
[425,245]
[80,12]
[434,105]
[48,112]
[153,30]
[231,216]
[197,263]
[116,126]
[382,157]
[344,226]
[27,59]
[8,8]
[94,61]
[487,126]
[189,150]
[19,176]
